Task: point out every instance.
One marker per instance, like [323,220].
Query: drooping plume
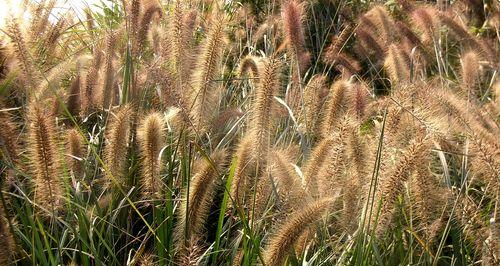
[195,207]
[286,235]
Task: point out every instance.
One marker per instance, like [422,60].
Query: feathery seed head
[75,149]
[286,235]
[152,139]
[44,159]
[262,120]
[115,152]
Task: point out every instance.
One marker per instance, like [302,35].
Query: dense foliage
[148,132]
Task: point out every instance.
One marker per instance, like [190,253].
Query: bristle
[314,99]
[397,65]
[23,55]
[335,106]
[108,90]
[383,21]
[338,43]
[314,163]
[457,29]
[486,162]
[51,38]
[473,226]
[243,179]
[369,43]
[73,100]
[134,13]
[152,140]
[332,173]
[358,97]
[429,199]
[201,190]
[392,185]
[407,33]
[147,259]
[205,94]
[88,94]
[463,116]
[115,150]
[249,64]
[8,143]
[44,159]
[470,72]
[426,20]
[191,254]
[260,201]
[292,14]
[181,30]
[89,21]
[345,62]
[356,178]
[51,82]
[262,120]
[150,9]
[40,23]
[288,182]
[75,149]
[286,235]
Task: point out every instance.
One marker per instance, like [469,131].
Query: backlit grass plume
[338,43]
[73,102]
[314,93]
[397,65]
[469,72]
[314,163]
[286,235]
[244,173]
[293,15]
[152,139]
[89,92]
[9,146]
[430,199]
[333,172]
[249,65]
[108,90]
[262,110]
[195,206]
[75,149]
[181,34]
[115,151]
[288,182]
[335,106]
[44,159]
[392,185]
[204,87]
[23,55]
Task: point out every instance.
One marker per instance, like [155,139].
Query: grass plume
[152,139]
[45,161]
